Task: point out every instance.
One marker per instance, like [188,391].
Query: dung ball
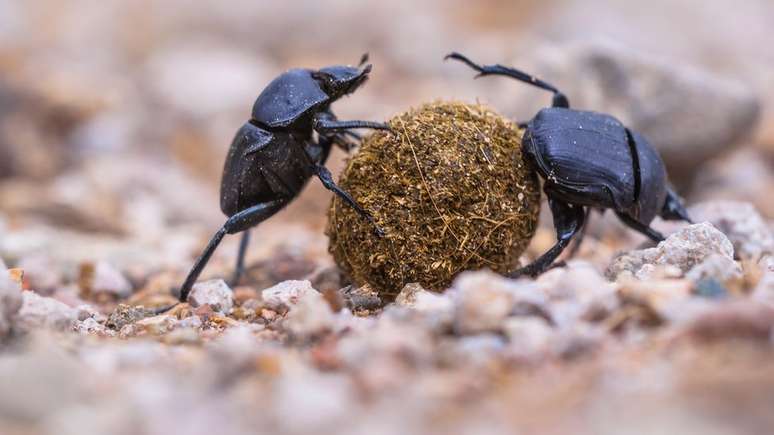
[451,190]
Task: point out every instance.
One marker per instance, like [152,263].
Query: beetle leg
[560,100]
[673,209]
[568,220]
[581,235]
[326,126]
[203,259]
[327,180]
[340,140]
[326,123]
[240,264]
[640,227]
[339,137]
[236,223]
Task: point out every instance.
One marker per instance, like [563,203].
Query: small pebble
[157,325]
[215,293]
[126,315]
[482,301]
[100,278]
[286,293]
[529,337]
[43,312]
[415,296]
[310,316]
[362,298]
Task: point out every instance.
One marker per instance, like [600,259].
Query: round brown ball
[451,190]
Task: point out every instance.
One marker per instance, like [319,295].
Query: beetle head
[339,80]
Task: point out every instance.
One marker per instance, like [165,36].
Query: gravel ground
[114,121]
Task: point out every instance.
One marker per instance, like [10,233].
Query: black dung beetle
[589,160]
[275,153]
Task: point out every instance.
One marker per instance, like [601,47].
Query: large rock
[681,252]
[688,114]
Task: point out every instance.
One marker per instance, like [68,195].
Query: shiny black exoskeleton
[275,153]
[589,160]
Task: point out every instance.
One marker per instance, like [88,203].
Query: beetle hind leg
[640,227]
[240,263]
[674,209]
[239,222]
[568,220]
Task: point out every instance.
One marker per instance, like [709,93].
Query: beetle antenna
[559,100]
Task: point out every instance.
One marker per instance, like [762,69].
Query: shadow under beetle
[589,160]
[275,153]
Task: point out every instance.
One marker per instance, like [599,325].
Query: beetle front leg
[340,140]
[568,220]
[327,180]
[326,125]
[580,236]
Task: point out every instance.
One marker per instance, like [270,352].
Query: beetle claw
[363,59]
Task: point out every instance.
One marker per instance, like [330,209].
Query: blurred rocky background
[115,118]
